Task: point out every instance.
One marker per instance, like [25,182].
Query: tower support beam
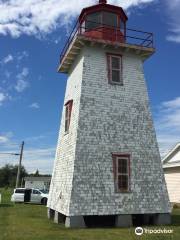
[75,222]
[123,220]
[162,219]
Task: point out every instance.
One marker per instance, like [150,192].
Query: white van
[29,195]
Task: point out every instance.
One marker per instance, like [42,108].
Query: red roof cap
[102,1]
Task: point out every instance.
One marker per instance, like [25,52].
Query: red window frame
[118,182]
[111,69]
[68,110]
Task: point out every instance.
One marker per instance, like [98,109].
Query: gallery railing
[109,33]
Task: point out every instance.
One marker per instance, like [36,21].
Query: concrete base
[123,220]
[146,219]
[59,218]
[162,219]
[75,222]
[50,213]
[56,217]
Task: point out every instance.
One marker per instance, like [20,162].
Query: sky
[32,35]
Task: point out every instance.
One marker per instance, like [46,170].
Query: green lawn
[29,222]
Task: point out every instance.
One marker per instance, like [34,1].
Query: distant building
[37,182]
[171,166]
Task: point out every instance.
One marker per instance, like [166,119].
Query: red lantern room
[104,24]
[103,21]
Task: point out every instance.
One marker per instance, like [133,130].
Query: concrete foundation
[59,218]
[162,219]
[75,222]
[56,217]
[50,213]
[124,220]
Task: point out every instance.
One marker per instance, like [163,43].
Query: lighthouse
[107,170]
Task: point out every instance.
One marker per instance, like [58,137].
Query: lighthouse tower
[107,170]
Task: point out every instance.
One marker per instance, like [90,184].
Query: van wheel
[44,201]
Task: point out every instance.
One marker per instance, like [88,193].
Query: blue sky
[32,33]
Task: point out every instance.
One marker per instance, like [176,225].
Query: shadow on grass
[175,220]
[5,205]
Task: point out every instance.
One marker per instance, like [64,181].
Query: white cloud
[168,124]
[2,98]
[172,104]
[21,85]
[13,80]
[173,8]
[34,105]
[38,153]
[7,74]
[17,57]
[33,158]
[4,138]
[7,59]
[130,3]
[22,55]
[42,159]
[35,138]
[34,17]
[170,114]
[22,82]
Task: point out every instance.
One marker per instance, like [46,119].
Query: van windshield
[44,191]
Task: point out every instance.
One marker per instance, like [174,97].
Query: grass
[29,222]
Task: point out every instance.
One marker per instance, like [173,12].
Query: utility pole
[19,167]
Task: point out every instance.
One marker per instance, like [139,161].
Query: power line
[15,154]
[12,144]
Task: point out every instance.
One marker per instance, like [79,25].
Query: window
[96,19]
[68,110]
[115,69]
[123,27]
[19,190]
[122,24]
[110,19]
[93,20]
[121,166]
[36,192]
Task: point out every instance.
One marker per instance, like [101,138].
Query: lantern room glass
[99,19]
[93,20]
[110,19]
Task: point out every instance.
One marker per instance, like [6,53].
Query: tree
[8,175]
[36,173]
